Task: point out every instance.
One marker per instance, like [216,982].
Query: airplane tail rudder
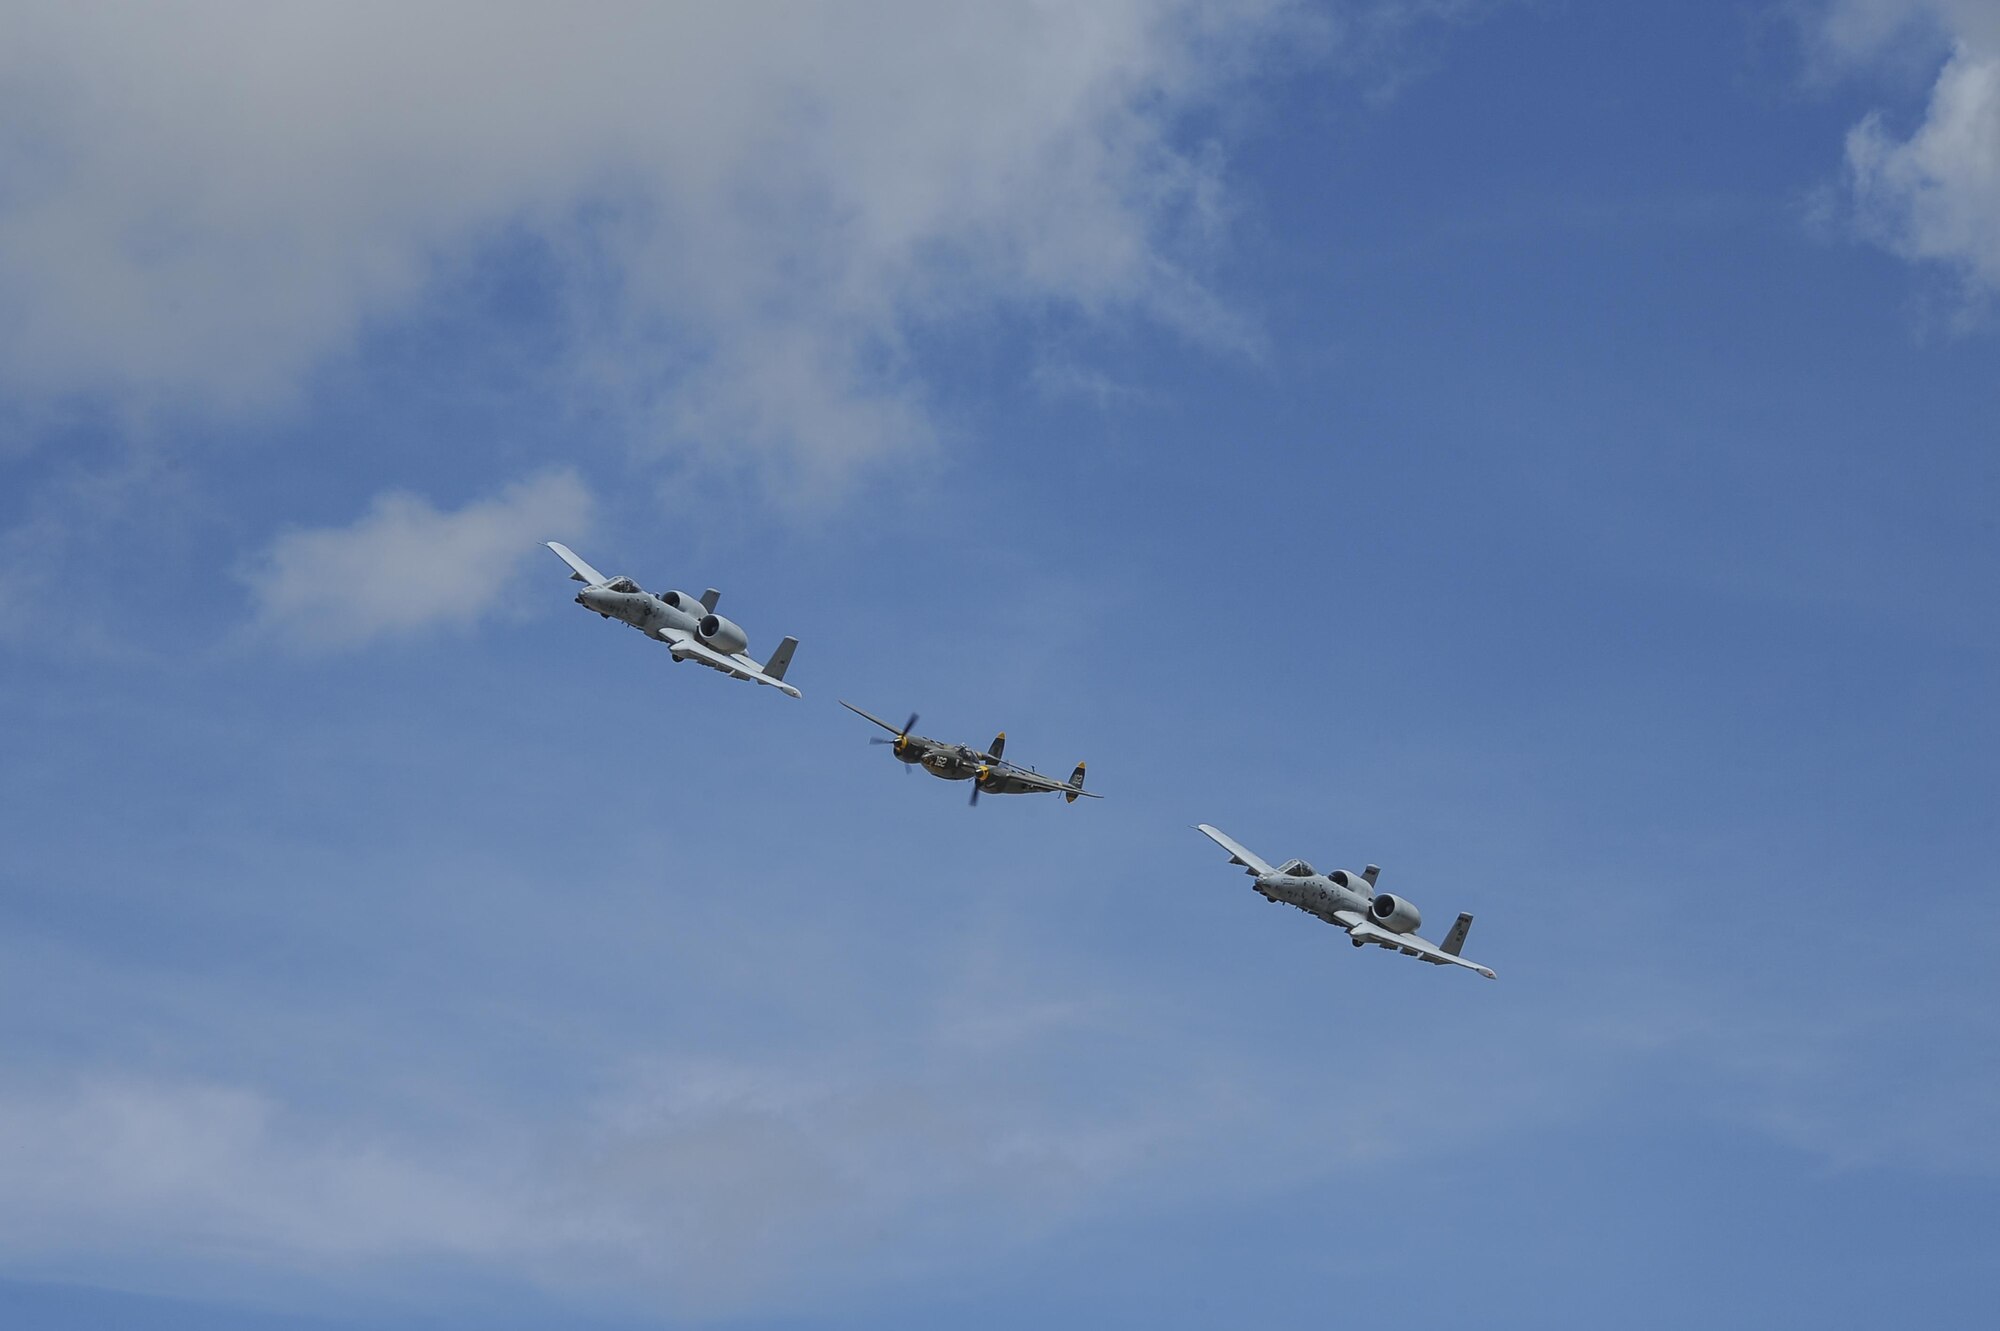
[1075,785]
[999,744]
[781,659]
[1455,940]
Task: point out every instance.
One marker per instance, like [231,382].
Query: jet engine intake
[720,635]
[1394,914]
[684,603]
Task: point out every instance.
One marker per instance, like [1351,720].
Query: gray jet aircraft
[986,769]
[1350,901]
[690,627]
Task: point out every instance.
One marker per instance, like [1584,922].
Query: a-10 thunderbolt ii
[690,627]
[985,768]
[1350,901]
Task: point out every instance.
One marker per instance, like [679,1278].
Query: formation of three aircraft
[693,631]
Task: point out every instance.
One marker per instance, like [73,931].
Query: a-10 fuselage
[654,616]
[642,610]
[1340,893]
[1318,894]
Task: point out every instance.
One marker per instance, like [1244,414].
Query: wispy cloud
[717,1184]
[117,1162]
[1932,195]
[405,565]
[989,1114]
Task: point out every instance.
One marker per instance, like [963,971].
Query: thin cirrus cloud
[1932,195]
[727,1185]
[116,1161]
[756,1184]
[331,587]
[754,207]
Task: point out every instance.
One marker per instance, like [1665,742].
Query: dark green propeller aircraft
[985,768]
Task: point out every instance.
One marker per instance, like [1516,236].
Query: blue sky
[1546,449]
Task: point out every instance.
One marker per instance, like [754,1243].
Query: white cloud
[714,1185]
[717,1184]
[1933,195]
[759,205]
[405,565]
[113,1162]
[986,1116]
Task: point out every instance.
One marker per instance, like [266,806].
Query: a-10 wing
[1238,854]
[1360,927]
[579,570]
[686,646]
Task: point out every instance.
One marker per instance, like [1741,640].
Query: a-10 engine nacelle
[719,634]
[687,605]
[1394,914]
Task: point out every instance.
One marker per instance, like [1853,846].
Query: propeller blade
[881,741]
[974,802]
[910,724]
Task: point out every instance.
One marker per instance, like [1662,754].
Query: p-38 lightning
[690,627]
[1350,901]
[985,768]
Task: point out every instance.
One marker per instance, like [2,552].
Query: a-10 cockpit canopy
[621,583]
[1296,869]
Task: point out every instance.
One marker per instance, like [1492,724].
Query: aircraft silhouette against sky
[1350,900]
[986,769]
[690,627]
